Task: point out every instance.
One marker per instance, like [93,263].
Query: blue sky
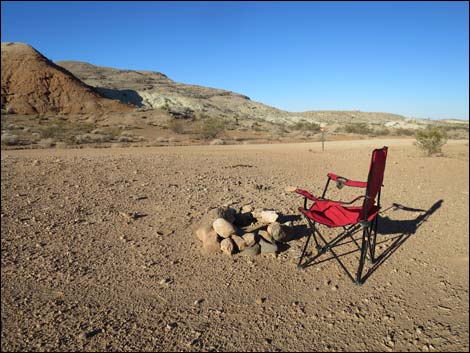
[404,57]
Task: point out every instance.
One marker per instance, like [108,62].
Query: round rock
[223,227]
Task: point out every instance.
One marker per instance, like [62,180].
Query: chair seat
[334,214]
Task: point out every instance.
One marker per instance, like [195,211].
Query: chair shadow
[386,226]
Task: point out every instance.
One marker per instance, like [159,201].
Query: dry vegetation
[157,128]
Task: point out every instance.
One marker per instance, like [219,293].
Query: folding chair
[344,214]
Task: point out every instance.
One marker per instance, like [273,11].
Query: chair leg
[299,265]
[365,244]
[373,238]
[318,247]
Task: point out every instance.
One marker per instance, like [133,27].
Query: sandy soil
[76,275]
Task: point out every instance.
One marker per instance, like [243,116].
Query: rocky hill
[32,84]
[147,89]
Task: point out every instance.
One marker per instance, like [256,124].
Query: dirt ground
[76,275]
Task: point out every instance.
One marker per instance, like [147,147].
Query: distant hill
[151,90]
[32,84]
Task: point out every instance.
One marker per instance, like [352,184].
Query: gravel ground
[77,275]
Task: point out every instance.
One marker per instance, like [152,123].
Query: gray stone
[274,229]
[280,232]
[267,248]
[252,250]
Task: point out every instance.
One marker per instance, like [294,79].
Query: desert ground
[77,275]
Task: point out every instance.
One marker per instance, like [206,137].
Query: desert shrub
[211,127]
[61,145]
[47,143]
[306,126]
[431,139]
[9,139]
[404,132]
[126,138]
[382,131]
[14,127]
[177,126]
[256,126]
[51,131]
[358,128]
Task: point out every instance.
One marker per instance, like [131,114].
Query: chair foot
[358,282]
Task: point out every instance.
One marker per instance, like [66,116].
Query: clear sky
[399,57]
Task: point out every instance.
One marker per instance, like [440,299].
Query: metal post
[322,139]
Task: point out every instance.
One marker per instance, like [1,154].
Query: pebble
[260,300]
[170,327]
[165,281]
[198,301]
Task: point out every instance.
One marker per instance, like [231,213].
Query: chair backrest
[375,178]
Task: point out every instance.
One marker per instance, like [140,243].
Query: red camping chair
[345,214]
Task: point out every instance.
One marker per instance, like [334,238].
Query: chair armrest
[306,194]
[347,182]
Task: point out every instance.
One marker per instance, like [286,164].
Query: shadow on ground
[386,227]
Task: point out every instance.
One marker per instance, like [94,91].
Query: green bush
[211,127]
[431,139]
[9,139]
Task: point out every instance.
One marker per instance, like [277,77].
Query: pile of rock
[248,231]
